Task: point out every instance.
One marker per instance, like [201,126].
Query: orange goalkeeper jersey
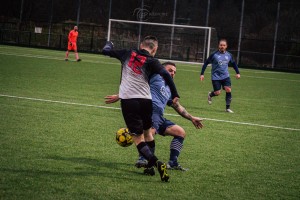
[73,36]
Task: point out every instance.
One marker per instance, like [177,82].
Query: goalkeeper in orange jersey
[72,43]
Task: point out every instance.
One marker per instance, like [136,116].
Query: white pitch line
[259,77]
[61,102]
[175,115]
[53,58]
[115,63]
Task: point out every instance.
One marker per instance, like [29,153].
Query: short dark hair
[224,40]
[150,41]
[168,63]
[150,37]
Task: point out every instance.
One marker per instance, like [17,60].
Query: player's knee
[217,92]
[227,89]
[181,133]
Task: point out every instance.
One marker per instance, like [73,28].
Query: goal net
[191,44]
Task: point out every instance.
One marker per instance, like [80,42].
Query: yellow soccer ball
[123,137]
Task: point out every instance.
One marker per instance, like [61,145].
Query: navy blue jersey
[220,62]
[137,67]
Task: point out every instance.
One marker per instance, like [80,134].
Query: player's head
[150,43]
[171,68]
[75,28]
[222,45]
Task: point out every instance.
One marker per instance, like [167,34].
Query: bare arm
[184,113]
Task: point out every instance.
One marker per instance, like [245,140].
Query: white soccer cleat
[209,99]
[229,111]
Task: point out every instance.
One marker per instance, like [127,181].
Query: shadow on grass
[91,161]
[82,167]
[113,169]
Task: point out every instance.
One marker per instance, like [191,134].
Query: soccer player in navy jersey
[161,97]
[220,60]
[135,95]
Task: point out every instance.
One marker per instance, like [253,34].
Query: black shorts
[137,114]
[217,84]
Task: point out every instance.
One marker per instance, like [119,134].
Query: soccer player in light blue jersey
[161,97]
[219,73]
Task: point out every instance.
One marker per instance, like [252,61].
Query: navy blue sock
[145,151]
[228,99]
[151,146]
[175,148]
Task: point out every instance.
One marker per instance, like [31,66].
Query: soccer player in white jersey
[135,95]
[161,97]
[220,60]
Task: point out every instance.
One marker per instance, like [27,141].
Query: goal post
[184,43]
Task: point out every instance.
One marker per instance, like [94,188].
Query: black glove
[71,44]
[110,44]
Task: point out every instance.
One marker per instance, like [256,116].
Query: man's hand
[111,98]
[237,76]
[201,77]
[175,100]
[197,122]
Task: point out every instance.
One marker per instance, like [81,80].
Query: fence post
[275,37]
[140,25]
[206,24]
[172,33]
[21,14]
[240,34]
[29,42]
[109,12]
[78,12]
[92,38]
[50,23]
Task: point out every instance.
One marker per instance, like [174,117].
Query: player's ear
[153,52]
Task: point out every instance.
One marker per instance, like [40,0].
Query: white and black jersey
[137,67]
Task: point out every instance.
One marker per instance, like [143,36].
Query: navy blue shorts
[160,123]
[218,84]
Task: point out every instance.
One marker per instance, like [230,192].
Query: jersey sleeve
[207,61]
[234,65]
[108,51]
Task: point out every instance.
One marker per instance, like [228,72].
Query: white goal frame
[171,38]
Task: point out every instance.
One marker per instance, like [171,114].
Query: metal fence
[263,34]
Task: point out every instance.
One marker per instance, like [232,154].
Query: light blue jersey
[220,62]
[161,94]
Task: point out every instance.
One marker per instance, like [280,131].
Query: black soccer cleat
[162,169]
[78,60]
[149,171]
[141,162]
[66,59]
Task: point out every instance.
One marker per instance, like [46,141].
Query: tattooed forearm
[182,111]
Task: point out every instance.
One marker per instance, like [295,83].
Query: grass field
[57,134]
